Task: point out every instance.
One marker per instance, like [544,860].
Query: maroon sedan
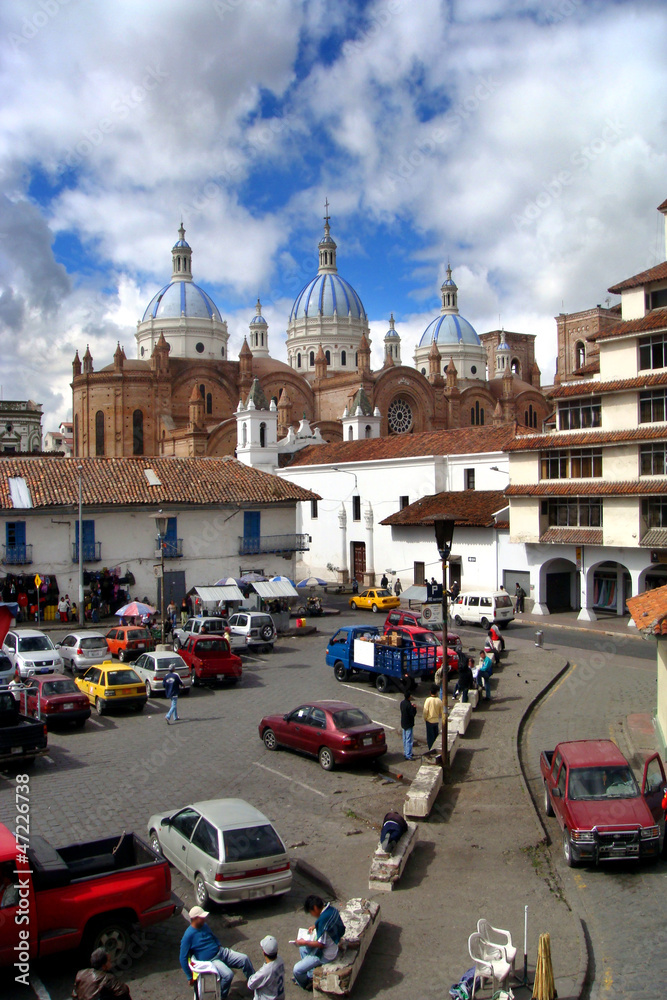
[56,699]
[333,731]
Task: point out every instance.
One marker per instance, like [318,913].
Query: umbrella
[281,579]
[135,609]
[253,578]
[229,581]
[312,581]
[544,987]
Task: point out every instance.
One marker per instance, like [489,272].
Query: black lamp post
[161,524]
[444,533]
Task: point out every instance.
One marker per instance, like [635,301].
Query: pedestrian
[496,641]
[62,609]
[408,713]
[433,713]
[184,613]
[384,582]
[398,587]
[172,686]
[200,943]
[393,828]
[269,981]
[520,594]
[98,982]
[69,607]
[455,590]
[486,672]
[355,585]
[465,679]
[328,930]
[440,679]
[95,608]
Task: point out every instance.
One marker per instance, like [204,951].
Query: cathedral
[180,394]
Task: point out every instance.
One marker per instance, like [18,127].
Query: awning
[414,593]
[275,588]
[215,595]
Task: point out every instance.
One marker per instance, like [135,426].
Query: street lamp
[161,523]
[444,533]
[80,553]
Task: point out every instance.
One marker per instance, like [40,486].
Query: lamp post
[444,533]
[80,553]
[161,523]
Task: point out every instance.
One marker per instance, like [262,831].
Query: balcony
[273,543]
[17,555]
[173,548]
[92,552]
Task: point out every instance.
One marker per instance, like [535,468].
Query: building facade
[20,426]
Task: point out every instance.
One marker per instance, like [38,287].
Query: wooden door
[359,560]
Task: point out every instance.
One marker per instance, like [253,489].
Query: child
[269,981]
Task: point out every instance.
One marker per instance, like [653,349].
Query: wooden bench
[361,918]
[386,869]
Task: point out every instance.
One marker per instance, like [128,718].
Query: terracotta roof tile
[654,538]
[470,508]
[616,385]
[587,487]
[649,611]
[573,536]
[54,482]
[655,320]
[569,439]
[652,274]
[460,441]
[592,368]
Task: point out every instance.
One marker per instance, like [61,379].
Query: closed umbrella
[544,987]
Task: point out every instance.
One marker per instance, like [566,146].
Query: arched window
[137,433]
[311,359]
[481,416]
[76,434]
[298,360]
[516,367]
[209,403]
[368,430]
[535,418]
[476,414]
[356,359]
[262,435]
[532,417]
[423,371]
[350,434]
[202,391]
[99,433]
[327,355]
[579,354]
[343,358]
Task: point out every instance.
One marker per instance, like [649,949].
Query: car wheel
[269,738]
[381,682]
[548,805]
[155,842]
[140,707]
[374,609]
[353,605]
[567,849]
[201,892]
[100,706]
[149,692]
[458,619]
[485,623]
[176,645]
[121,656]
[341,673]
[326,759]
[267,633]
[111,934]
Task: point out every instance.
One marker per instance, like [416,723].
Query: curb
[631,634]
[315,875]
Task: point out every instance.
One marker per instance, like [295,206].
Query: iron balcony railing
[173,548]
[17,555]
[92,551]
[250,546]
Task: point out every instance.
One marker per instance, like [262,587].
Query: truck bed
[93,859]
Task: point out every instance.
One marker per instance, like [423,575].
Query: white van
[482,607]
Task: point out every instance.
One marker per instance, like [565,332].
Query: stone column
[343,575]
[369,575]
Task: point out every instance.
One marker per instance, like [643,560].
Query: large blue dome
[449,328]
[325,294]
[181,298]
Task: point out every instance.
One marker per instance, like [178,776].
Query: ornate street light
[443,525]
[161,523]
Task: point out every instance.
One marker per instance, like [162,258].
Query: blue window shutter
[88,532]
[171,531]
[251,523]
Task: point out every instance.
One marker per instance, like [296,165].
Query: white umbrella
[312,581]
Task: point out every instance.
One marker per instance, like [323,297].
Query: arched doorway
[559,585]
[608,586]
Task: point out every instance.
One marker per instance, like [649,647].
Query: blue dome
[326,294]
[181,243]
[181,298]
[449,328]
[258,320]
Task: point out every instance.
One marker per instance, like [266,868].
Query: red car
[424,637]
[56,699]
[129,641]
[333,731]
[399,617]
[211,660]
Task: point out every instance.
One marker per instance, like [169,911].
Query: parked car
[256,628]
[153,667]
[31,652]
[333,731]
[21,738]
[7,671]
[413,634]
[228,849]
[375,600]
[400,617]
[80,650]
[591,789]
[56,699]
[107,683]
[482,607]
[194,626]
[211,661]
[129,641]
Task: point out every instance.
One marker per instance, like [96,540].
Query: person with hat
[269,981]
[200,943]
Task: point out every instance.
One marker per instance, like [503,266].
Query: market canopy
[275,588]
[216,595]
[415,593]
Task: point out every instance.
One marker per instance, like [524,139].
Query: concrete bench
[473,697]
[361,918]
[386,869]
[459,717]
[423,791]
[452,743]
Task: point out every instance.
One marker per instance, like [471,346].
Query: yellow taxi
[108,684]
[376,600]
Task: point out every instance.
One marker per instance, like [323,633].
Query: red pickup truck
[211,660]
[604,815]
[84,895]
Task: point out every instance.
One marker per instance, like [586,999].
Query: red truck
[211,660]
[86,895]
[604,815]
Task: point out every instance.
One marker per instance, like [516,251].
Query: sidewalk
[605,625]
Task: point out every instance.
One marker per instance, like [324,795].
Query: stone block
[460,716]
[473,698]
[386,869]
[362,919]
[423,791]
[452,744]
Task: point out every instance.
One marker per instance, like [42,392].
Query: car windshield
[92,642]
[138,633]
[595,783]
[383,593]
[118,678]
[350,718]
[65,686]
[251,843]
[504,601]
[34,643]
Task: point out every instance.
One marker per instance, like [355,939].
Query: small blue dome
[181,298]
[325,294]
[258,320]
[181,243]
[391,334]
[449,328]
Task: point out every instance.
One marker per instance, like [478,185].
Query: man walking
[172,687]
[432,712]
[398,587]
[200,942]
[98,982]
[269,981]
[408,713]
[520,595]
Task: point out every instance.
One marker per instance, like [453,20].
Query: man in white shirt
[269,981]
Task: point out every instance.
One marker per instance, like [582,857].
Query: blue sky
[523,140]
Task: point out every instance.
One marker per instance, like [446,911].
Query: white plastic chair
[499,938]
[490,962]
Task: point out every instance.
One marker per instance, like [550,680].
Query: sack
[463,989]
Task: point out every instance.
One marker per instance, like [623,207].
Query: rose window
[399,416]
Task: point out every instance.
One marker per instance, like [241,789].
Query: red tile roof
[587,487]
[655,320]
[460,441]
[649,611]
[663,207]
[470,508]
[569,439]
[652,274]
[592,368]
[573,536]
[615,385]
[54,482]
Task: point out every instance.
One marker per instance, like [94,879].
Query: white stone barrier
[361,918]
[386,869]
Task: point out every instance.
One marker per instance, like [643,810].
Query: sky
[523,141]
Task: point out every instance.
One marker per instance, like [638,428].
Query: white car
[255,628]
[81,650]
[153,667]
[228,849]
[31,652]
[212,624]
